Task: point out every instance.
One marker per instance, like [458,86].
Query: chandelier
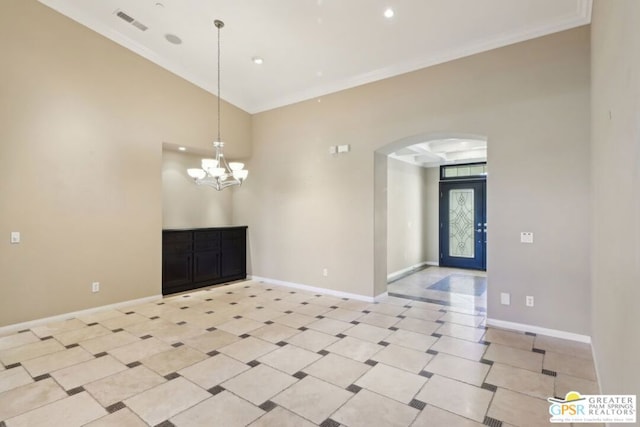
[216,172]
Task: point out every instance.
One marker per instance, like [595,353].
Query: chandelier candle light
[216,172]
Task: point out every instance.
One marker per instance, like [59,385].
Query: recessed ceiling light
[182,148]
[257,60]
[388,13]
[173,39]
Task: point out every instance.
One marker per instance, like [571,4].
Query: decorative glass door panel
[463,224]
[461,220]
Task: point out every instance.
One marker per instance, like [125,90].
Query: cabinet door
[206,266]
[234,262]
[176,271]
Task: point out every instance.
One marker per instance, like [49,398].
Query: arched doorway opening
[426,222]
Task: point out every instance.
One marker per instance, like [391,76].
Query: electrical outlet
[15,237]
[95,287]
[529,301]
[325,272]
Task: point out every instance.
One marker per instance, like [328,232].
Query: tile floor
[418,285]
[254,354]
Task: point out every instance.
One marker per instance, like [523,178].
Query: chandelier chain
[219,25]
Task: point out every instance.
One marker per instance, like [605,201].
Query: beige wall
[531,100]
[432,215]
[615,125]
[82,122]
[185,205]
[406,214]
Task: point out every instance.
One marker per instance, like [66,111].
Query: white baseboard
[380,296]
[396,274]
[538,330]
[39,322]
[331,292]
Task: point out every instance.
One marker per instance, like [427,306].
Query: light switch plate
[505,298]
[526,237]
[15,237]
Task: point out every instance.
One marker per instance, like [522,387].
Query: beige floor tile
[294,320]
[424,314]
[151,309]
[312,310]
[271,383]
[264,314]
[330,326]
[519,409]
[280,417]
[392,382]
[458,347]
[458,368]
[58,327]
[567,347]
[275,332]
[82,334]
[462,319]
[122,321]
[122,418]
[344,314]
[325,300]
[86,372]
[312,340]
[521,380]
[388,309]
[457,397]
[355,348]
[166,400]
[173,360]
[248,349]
[565,383]
[412,340]
[509,338]
[73,411]
[367,409]
[176,333]
[574,366]
[460,331]
[427,305]
[290,359]
[148,327]
[213,371]
[13,378]
[223,409]
[17,340]
[210,341]
[312,399]
[139,350]
[27,397]
[404,358]
[240,326]
[29,351]
[108,342]
[433,416]
[100,316]
[369,333]
[380,320]
[515,357]
[123,385]
[337,370]
[58,360]
[353,305]
[425,327]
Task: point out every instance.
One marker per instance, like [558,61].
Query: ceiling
[314,47]
[435,152]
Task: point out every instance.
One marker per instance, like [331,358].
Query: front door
[463,224]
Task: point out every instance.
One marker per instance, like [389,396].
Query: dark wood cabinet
[199,257]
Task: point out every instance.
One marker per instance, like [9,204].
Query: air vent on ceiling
[139,25]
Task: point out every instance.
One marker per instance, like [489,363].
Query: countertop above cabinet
[197,257]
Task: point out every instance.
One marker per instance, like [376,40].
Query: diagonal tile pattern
[256,354]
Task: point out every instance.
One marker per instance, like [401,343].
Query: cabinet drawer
[177,242]
[206,240]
